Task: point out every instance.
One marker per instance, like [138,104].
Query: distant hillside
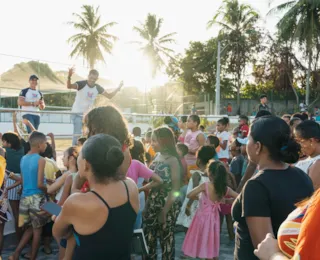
[17,77]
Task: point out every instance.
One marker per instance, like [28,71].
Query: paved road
[226,248]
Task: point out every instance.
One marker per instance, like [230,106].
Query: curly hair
[108,120]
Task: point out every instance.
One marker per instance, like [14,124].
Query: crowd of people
[261,177]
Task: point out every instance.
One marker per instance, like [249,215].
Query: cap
[243,141]
[32,77]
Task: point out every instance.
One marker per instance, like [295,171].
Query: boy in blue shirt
[33,195]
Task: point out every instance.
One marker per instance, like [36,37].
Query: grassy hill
[50,81]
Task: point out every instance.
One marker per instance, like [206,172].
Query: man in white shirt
[32,100]
[87,91]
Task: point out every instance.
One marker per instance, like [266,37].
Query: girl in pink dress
[203,236]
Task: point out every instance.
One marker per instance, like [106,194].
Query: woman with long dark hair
[106,120]
[163,203]
[268,198]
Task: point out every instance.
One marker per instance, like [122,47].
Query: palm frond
[143,33]
[282,7]
[167,36]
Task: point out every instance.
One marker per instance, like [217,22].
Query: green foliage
[197,69]
[239,35]
[93,37]
[153,45]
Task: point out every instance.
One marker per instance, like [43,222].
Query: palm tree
[153,45]
[238,35]
[93,38]
[300,24]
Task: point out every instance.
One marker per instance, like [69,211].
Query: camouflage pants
[165,232]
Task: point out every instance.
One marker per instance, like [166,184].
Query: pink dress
[191,141]
[203,236]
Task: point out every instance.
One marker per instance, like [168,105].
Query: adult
[32,100]
[87,91]
[263,103]
[307,134]
[96,122]
[163,204]
[268,198]
[109,233]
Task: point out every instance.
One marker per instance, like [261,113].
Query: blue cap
[32,77]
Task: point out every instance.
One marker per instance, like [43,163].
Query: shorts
[30,212]
[13,194]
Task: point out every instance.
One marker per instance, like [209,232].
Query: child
[182,150]
[203,236]
[33,195]
[136,133]
[4,203]
[223,136]
[237,161]
[148,146]
[243,126]
[64,184]
[243,149]
[214,142]
[189,207]
[81,141]
[14,153]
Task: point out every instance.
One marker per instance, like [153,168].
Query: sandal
[25,256]
[47,252]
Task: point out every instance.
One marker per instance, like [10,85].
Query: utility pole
[217,109]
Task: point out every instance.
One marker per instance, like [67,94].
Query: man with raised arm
[87,91]
[32,100]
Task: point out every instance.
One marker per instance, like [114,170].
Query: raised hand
[120,85]
[71,71]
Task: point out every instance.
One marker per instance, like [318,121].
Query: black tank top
[113,240]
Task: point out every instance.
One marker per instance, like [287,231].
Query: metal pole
[217,110]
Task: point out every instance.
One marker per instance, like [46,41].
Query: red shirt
[244,130]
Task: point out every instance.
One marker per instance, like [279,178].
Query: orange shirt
[299,234]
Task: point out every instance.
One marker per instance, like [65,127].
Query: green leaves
[93,36]
[153,45]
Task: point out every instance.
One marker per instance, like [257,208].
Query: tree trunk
[293,89]
[308,79]
[238,94]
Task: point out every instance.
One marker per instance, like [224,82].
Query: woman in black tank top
[102,219]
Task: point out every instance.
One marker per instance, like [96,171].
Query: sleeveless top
[191,141]
[307,163]
[113,240]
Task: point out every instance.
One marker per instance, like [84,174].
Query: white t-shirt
[31,95]
[223,136]
[85,96]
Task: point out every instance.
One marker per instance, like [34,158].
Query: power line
[32,59]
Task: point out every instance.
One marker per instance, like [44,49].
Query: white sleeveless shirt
[307,163]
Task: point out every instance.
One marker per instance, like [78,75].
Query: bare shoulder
[172,160]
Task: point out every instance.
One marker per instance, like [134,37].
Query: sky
[38,29]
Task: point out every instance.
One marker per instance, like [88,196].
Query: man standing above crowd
[263,103]
[87,91]
[32,100]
